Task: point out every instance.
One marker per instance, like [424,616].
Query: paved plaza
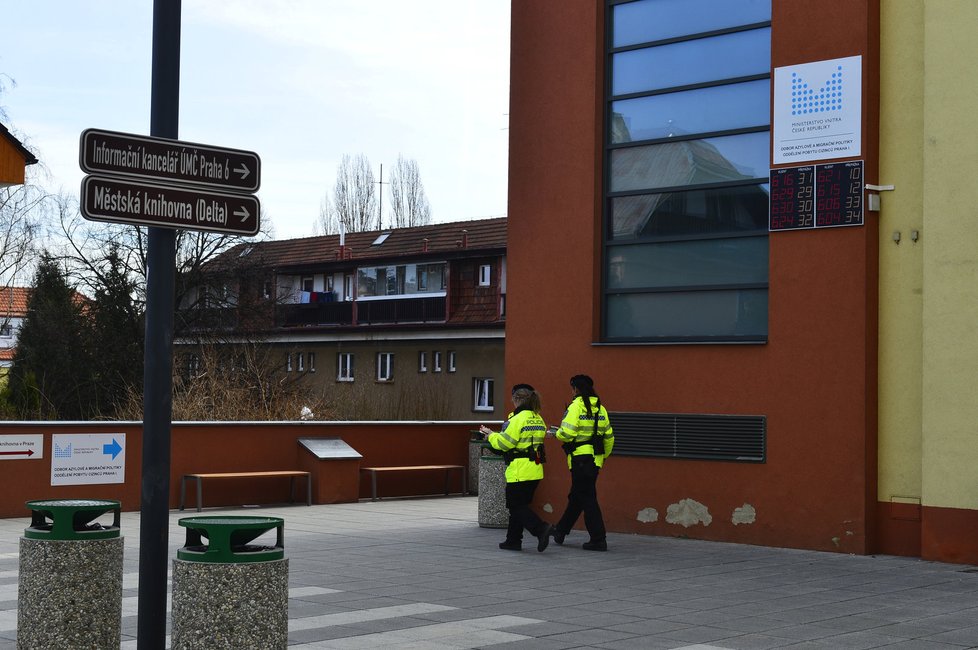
[421,573]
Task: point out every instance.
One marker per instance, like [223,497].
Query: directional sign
[22,447]
[88,458]
[173,161]
[119,200]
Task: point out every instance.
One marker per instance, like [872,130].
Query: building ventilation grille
[677,435]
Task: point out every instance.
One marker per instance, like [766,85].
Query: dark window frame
[609,243]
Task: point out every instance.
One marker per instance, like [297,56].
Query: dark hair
[585,388]
[526,398]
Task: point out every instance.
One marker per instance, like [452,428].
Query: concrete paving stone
[965,636]
[442,572]
[592,636]
[322,634]
[923,644]
[649,626]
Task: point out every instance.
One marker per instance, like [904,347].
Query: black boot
[543,539]
[595,546]
[511,546]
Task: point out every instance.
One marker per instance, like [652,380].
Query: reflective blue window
[686,243]
[691,62]
[692,263]
[691,162]
[698,213]
[719,108]
[655,20]
[728,314]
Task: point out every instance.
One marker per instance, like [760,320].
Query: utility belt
[537,454]
[596,443]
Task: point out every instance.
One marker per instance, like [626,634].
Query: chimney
[424,245]
[465,239]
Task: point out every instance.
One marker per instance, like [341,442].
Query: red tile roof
[443,238]
[13,301]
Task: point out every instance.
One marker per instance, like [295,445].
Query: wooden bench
[416,468]
[292,477]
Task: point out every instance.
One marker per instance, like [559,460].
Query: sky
[299,82]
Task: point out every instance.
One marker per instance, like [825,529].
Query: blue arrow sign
[114,449]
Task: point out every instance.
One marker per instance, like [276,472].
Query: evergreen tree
[117,332]
[51,373]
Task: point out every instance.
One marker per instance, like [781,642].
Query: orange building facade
[778,408]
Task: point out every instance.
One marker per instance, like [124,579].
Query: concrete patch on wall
[648,515]
[548,508]
[745,514]
[688,513]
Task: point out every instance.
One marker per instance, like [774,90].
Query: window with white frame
[485,275]
[422,361]
[6,330]
[288,362]
[301,358]
[312,362]
[436,358]
[385,366]
[451,361]
[482,398]
[307,283]
[344,366]
[400,281]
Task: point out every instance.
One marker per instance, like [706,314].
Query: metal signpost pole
[157,376]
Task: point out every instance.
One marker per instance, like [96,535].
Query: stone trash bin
[475,451]
[228,592]
[492,489]
[69,592]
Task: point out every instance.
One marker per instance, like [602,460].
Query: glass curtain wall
[687,155]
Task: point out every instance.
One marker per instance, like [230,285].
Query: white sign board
[20,447]
[818,110]
[88,458]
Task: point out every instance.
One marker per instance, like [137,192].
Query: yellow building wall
[928,438]
[950,260]
[901,279]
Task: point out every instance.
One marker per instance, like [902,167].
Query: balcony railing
[324,314]
[320,313]
[408,310]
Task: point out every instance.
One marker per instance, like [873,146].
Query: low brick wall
[198,447]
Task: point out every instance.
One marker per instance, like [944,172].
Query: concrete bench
[291,475]
[416,468]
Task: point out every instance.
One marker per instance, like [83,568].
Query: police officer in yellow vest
[521,444]
[588,439]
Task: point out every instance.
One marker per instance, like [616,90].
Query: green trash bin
[72,519]
[228,590]
[69,592]
[229,539]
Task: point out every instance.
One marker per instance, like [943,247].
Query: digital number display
[792,198]
[839,194]
[817,196]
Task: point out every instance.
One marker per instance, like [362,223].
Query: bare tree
[409,205]
[354,201]
[83,243]
[21,209]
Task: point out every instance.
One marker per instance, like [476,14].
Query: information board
[88,458]
[817,196]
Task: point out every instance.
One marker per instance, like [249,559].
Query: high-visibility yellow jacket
[522,433]
[578,427]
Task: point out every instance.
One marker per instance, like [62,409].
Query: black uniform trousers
[519,496]
[583,497]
